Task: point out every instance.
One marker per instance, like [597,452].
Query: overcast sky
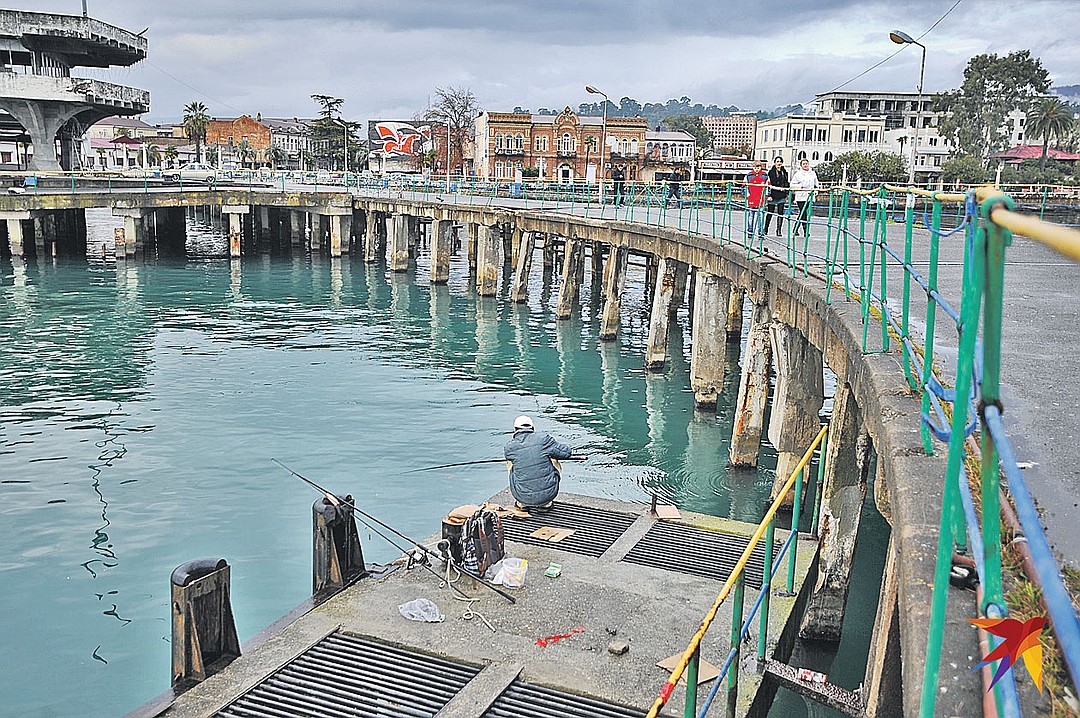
[384,58]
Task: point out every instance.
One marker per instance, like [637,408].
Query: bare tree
[457,108]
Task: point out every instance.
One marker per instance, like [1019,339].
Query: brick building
[563,147]
[228,133]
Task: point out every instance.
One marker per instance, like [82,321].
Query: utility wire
[165,72]
[902,48]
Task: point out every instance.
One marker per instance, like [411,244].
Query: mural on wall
[404,138]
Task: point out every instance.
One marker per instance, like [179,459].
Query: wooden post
[573,261]
[337,557]
[204,636]
[520,290]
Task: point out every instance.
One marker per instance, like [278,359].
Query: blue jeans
[754,219]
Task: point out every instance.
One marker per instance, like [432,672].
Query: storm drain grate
[685,549]
[594,529]
[521,700]
[345,675]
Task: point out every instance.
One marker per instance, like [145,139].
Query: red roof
[1034,152]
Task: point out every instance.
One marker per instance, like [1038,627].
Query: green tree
[171,153]
[963,169]
[196,122]
[276,153]
[974,119]
[245,152]
[1034,172]
[455,108]
[869,167]
[153,154]
[1050,117]
[692,125]
[213,154]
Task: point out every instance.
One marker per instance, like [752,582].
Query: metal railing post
[818,497]
[736,631]
[690,706]
[796,511]
[766,589]
[931,315]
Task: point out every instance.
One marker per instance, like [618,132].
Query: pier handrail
[736,578]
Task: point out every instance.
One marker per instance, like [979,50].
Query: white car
[192,172]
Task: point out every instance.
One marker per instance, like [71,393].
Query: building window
[821,135]
[873,135]
[815,157]
[633,146]
[520,142]
[796,135]
[848,135]
[499,141]
[536,144]
[862,136]
[624,146]
[828,157]
[1020,137]
[802,156]
[566,143]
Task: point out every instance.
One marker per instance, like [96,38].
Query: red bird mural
[1019,639]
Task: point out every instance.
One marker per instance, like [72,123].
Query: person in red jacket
[755,199]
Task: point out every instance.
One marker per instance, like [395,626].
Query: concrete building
[737,131]
[39,51]
[292,135]
[819,138]
[666,152]
[563,147]
[112,127]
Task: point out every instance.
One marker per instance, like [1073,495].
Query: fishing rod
[482,461]
[335,500]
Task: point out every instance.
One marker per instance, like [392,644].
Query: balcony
[566,153]
[73,89]
[510,151]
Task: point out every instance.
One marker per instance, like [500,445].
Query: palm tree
[171,153]
[276,153]
[1051,117]
[196,122]
[244,151]
[152,154]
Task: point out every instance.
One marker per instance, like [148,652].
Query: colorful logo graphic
[1019,639]
[400,138]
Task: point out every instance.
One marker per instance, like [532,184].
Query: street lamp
[902,38]
[603,137]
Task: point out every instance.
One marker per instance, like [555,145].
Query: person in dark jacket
[778,194]
[618,180]
[532,461]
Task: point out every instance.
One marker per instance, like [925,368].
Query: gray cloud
[385,58]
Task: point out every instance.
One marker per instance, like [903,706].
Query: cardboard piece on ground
[504,511]
[667,512]
[551,533]
[706,671]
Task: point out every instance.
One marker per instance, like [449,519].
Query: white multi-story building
[735,131]
[818,138]
[667,151]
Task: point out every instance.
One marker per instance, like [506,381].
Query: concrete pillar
[371,237]
[16,236]
[440,251]
[614,284]
[474,234]
[708,351]
[573,261]
[236,214]
[399,243]
[678,293]
[508,244]
[660,317]
[297,228]
[39,235]
[844,492]
[515,236]
[549,253]
[596,255]
[519,293]
[412,228]
[488,256]
[264,223]
[340,229]
[734,314]
[794,421]
[753,390]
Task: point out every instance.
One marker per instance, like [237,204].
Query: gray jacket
[533,478]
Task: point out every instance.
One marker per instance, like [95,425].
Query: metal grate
[345,675]
[594,529]
[522,700]
[685,549]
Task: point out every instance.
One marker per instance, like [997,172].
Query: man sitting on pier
[532,462]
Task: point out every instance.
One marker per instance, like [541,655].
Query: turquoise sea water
[140,406]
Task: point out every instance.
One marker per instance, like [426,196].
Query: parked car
[192,172]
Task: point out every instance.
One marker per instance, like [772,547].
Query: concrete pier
[596,257]
[15,231]
[519,293]
[843,492]
[473,232]
[753,390]
[569,290]
[549,253]
[236,214]
[399,243]
[735,313]
[660,317]
[488,259]
[614,284]
[297,229]
[441,230]
[678,290]
[375,227]
[794,421]
[708,352]
[340,232]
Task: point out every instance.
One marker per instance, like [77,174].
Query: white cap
[523,422]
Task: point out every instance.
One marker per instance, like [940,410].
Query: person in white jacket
[804,182]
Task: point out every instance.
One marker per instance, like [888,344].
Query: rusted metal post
[204,636]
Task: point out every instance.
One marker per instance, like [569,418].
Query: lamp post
[603,137]
[902,38]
